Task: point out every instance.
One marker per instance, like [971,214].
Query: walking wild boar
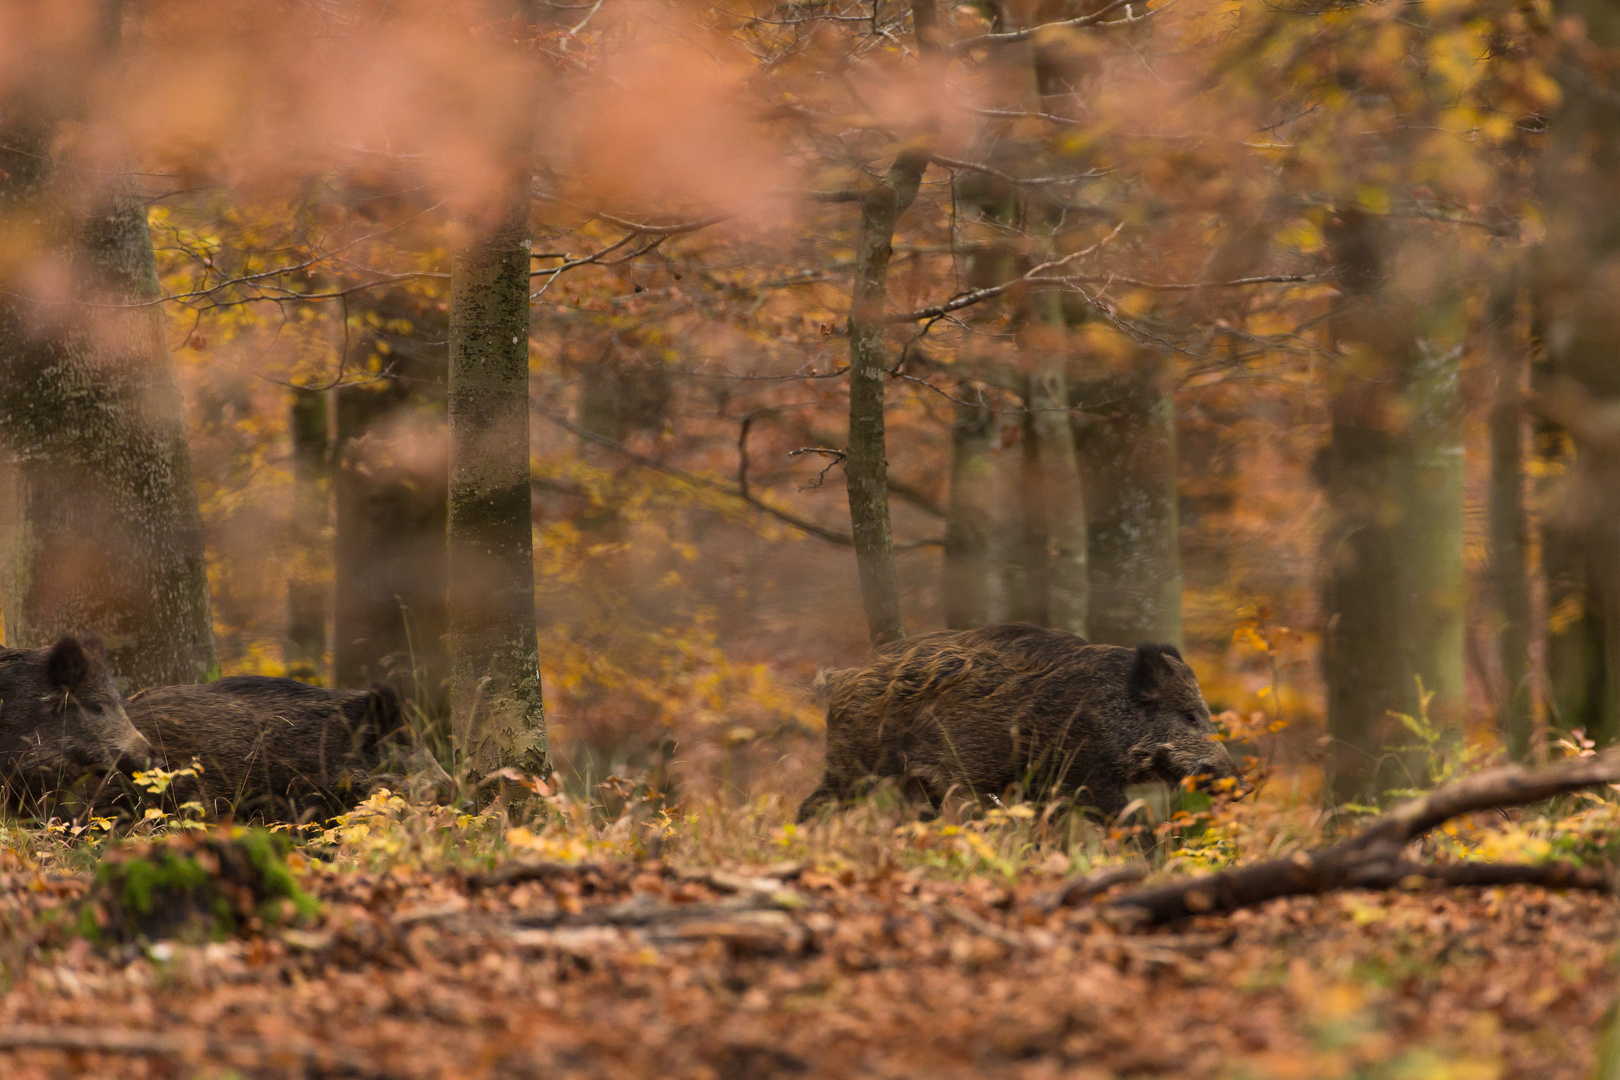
[1018,709]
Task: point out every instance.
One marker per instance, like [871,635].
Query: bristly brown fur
[1015,708]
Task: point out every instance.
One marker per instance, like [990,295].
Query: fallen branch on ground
[1084,886]
[254,1053]
[516,873]
[1372,858]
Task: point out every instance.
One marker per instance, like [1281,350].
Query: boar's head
[1174,737]
[74,716]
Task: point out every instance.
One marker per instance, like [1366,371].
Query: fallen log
[1371,859]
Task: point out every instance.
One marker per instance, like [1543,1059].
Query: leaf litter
[632,967]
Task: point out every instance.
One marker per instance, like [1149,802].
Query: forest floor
[623,965]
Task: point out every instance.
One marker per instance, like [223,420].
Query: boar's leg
[921,788]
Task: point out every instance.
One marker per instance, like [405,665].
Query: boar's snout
[133,752]
[1217,761]
[123,746]
[1178,759]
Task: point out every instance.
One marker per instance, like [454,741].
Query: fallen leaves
[639,968]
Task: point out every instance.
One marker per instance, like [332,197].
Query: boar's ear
[1151,671]
[96,646]
[67,665]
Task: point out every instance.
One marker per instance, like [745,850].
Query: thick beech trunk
[497,714]
[112,535]
[1126,438]
[865,464]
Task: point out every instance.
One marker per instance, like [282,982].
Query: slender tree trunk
[1577,383]
[497,713]
[1057,491]
[1030,599]
[1578,688]
[866,465]
[985,259]
[1126,441]
[1509,523]
[1434,581]
[389,549]
[95,422]
[966,583]
[1393,585]
[308,588]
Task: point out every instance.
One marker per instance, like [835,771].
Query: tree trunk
[1126,440]
[1580,693]
[966,581]
[1434,581]
[389,552]
[497,714]
[95,422]
[1057,555]
[1575,288]
[308,588]
[1509,524]
[865,464]
[1393,585]
[986,258]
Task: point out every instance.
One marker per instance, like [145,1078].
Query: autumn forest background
[596,374]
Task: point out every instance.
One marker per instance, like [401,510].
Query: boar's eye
[1191,718]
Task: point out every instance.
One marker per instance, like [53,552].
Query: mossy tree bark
[93,418]
[1392,594]
[865,462]
[497,713]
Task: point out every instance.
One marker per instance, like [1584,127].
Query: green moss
[210,885]
[267,851]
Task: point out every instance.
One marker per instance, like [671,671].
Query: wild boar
[1015,709]
[272,749]
[61,717]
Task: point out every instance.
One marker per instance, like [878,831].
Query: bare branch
[1174,286]
[1012,37]
[661,230]
[1009,178]
[968,299]
[804,525]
